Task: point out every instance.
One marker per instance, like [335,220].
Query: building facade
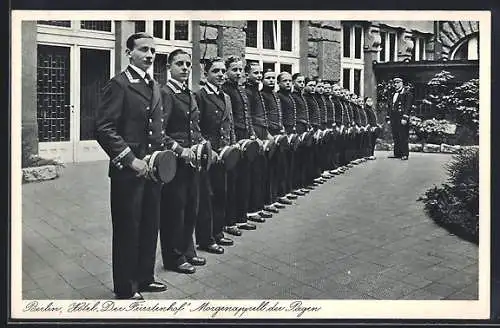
[66,63]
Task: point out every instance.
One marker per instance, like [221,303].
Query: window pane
[357,42]
[269,32]
[286,68]
[357,82]
[181,30]
[347,41]
[96,25]
[158,29]
[160,68]
[140,26]
[382,46]
[286,35]
[251,39]
[55,23]
[346,81]
[422,49]
[167,30]
[392,47]
[267,66]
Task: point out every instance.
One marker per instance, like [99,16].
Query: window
[388,46]
[160,68]
[467,49]
[418,52]
[166,30]
[273,44]
[55,23]
[352,61]
[251,37]
[96,25]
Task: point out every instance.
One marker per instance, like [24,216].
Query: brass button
[149,145]
[150,132]
[162,120]
[150,120]
[162,132]
[147,108]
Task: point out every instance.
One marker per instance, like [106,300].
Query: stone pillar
[29,132]
[303,45]
[123,30]
[371,48]
[231,37]
[196,72]
[323,44]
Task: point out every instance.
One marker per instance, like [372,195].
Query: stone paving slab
[361,235]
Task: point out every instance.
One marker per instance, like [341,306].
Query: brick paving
[361,235]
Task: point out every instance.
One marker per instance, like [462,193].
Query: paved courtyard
[361,235]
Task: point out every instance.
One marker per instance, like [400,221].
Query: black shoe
[197,260]
[305,190]
[232,230]
[404,158]
[291,196]
[134,296]
[298,192]
[284,201]
[256,218]
[247,226]
[265,214]
[271,209]
[277,204]
[185,267]
[153,287]
[224,241]
[214,249]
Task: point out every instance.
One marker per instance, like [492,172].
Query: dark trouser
[279,167]
[243,179]
[259,176]
[287,169]
[400,134]
[135,213]
[232,197]
[211,214]
[374,136]
[179,209]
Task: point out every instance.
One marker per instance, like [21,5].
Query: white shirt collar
[212,87]
[178,84]
[138,70]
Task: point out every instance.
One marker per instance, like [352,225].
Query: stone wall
[29,133]
[453,32]
[323,49]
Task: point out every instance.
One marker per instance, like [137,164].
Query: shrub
[455,205]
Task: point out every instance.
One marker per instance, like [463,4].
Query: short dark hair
[210,62]
[280,75]
[141,35]
[308,79]
[250,64]
[296,75]
[232,59]
[174,53]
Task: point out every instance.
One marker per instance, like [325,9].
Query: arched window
[467,49]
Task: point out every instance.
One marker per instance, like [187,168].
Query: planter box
[449,149]
[41,173]
[416,147]
[432,148]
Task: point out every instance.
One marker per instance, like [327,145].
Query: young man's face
[215,74]
[319,88]
[336,90]
[299,83]
[369,102]
[269,80]
[310,86]
[398,85]
[235,71]
[327,89]
[180,67]
[285,82]
[143,54]
[255,74]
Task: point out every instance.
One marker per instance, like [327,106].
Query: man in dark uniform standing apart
[180,197]
[129,126]
[399,114]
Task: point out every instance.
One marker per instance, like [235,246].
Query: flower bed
[425,147]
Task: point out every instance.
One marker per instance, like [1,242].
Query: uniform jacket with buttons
[216,119]
[289,110]
[330,111]
[339,109]
[256,106]
[129,121]
[181,116]
[321,101]
[371,115]
[239,105]
[302,111]
[312,105]
[402,106]
[273,110]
